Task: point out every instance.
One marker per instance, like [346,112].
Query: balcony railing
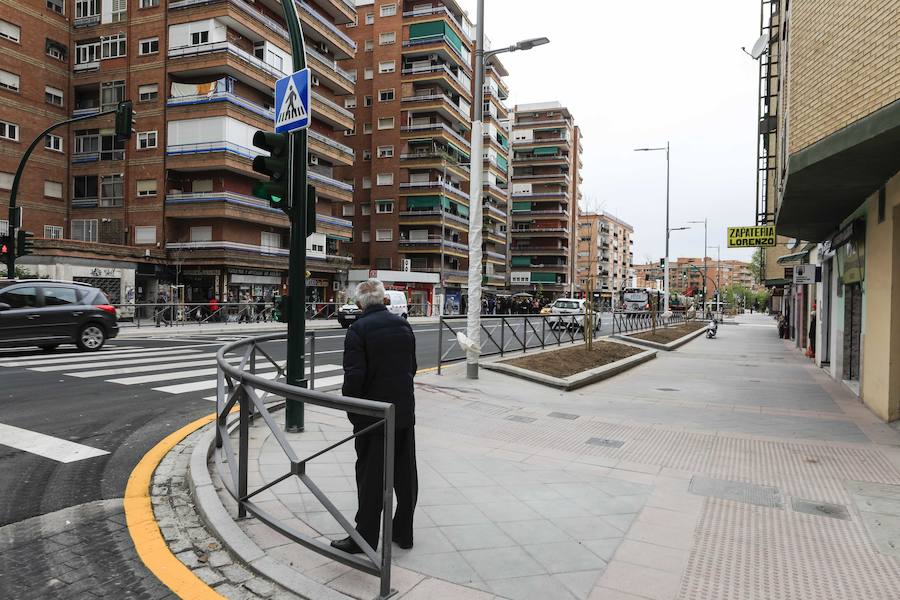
[86,21]
[207,147]
[222,97]
[444,156]
[562,213]
[436,127]
[496,255]
[328,24]
[433,241]
[533,193]
[269,23]
[532,230]
[434,213]
[86,157]
[329,142]
[435,69]
[431,97]
[418,185]
[495,211]
[86,66]
[436,10]
[329,182]
[224,245]
[549,140]
[211,47]
[349,78]
[331,105]
[438,37]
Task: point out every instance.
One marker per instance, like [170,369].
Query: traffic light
[281,309]
[275,166]
[24,244]
[310,210]
[5,246]
[124,120]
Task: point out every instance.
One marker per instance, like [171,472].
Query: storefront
[253,283]
[420,288]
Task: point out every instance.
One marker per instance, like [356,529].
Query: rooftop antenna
[759,48]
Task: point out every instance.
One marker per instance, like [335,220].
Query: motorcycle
[711,329]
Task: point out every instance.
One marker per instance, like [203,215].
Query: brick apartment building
[604,258]
[546,189]
[686,275]
[173,205]
[413,113]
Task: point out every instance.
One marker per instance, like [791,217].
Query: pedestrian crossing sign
[292,96]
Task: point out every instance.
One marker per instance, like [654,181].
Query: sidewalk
[730,468]
[148,329]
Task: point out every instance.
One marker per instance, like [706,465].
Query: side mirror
[4,306]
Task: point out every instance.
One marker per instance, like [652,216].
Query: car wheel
[91,337]
[344,324]
[49,347]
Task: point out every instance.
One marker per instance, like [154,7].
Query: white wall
[521,188]
[180,35]
[210,129]
[317,239]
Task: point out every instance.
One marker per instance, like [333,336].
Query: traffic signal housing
[5,246]
[124,120]
[24,243]
[276,167]
[310,209]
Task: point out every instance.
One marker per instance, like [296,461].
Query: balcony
[530,232]
[533,195]
[494,257]
[539,250]
[325,110]
[438,43]
[434,244]
[440,73]
[436,102]
[224,204]
[228,97]
[205,156]
[86,67]
[559,214]
[437,160]
[222,245]
[245,7]
[442,11]
[86,21]
[326,69]
[537,178]
[414,131]
[533,143]
[327,187]
[229,50]
[434,217]
[425,186]
[535,122]
[326,146]
[323,30]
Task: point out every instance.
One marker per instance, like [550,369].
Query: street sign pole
[296,343]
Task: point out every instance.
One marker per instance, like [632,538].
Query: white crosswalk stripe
[188,363]
[122,363]
[95,358]
[322,384]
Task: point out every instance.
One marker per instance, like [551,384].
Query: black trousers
[370,479]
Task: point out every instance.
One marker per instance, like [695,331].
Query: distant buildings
[604,255]
[686,275]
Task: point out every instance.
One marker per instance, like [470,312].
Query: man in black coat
[379,364]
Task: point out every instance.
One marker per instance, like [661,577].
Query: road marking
[92,356]
[197,386]
[195,373]
[187,364]
[325,382]
[122,363]
[47,446]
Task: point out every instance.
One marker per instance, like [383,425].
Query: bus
[635,300]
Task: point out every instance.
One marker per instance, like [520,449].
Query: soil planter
[672,345]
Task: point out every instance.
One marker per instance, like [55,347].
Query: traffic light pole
[13,193]
[296,344]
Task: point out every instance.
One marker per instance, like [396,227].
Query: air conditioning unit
[315,81]
[313,159]
[432,57]
[322,47]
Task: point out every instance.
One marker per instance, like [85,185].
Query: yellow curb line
[145,534]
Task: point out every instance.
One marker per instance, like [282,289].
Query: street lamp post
[718,274]
[473,316]
[666,272]
[705,247]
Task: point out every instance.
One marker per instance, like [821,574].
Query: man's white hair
[369,293]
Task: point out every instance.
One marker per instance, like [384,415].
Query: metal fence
[239,385]
[634,322]
[505,334]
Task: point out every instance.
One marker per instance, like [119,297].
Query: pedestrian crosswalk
[172,370]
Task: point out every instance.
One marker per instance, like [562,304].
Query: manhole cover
[822,509]
[561,415]
[668,389]
[606,443]
[520,419]
[738,491]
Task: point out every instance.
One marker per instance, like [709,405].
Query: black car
[347,314]
[47,313]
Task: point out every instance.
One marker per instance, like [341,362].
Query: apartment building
[686,275]
[546,190]
[172,209]
[835,112]
[604,255]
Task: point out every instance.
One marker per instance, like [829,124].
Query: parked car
[47,313]
[561,310]
[396,303]
[347,314]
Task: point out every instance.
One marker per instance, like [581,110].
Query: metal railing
[239,385]
[647,320]
[505,334]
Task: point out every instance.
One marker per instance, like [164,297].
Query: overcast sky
[636,74]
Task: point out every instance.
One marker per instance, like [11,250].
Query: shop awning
[776,282]
[796,257]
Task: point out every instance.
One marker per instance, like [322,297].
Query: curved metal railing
[638,321]
[239,385]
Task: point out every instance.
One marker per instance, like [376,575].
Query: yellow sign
[757,236]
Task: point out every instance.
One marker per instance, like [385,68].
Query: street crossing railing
[507,334]
[638,321]
[240,386]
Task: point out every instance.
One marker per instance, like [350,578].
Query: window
[349,132]
[386,123]
[366,183]
[6,180]
[149,3]
[368,73]
[9,131]
[386,95]
[369,45]
[199,37]
[388,37]
[370,18]
[53,95]
[53,232]
[87,8]
[149,92]
[387,66]
[270,240]
[112,46]
[149,46]
[119,8]
[23,297]
[84,230]
[365,210]
[384,235]
[367,128]
[58,6]
[9,81]
[111,93]
[388,10]
[366,237]
[10,31]
[348,210]
[112,190]
[56,50]
[87,52]
[146,140]
[59,296]
[144,234]
[367,155]
[385,151]
[146,187]
[53,189]
[385,179]
[350,102]
[201,234]
[53,142]
[86,187]
[4,227]
[384,207]
[367,100]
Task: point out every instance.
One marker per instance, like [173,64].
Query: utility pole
[705,247]
[668,231]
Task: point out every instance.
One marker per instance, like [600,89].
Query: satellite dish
[760,47]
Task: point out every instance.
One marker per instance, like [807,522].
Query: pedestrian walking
[213,308]
[379,364]
[162,309]
[260,309]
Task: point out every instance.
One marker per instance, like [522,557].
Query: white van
[396,303]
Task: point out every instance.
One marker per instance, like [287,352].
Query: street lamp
[704,255]
[473,316]
[718,275]
[666,275]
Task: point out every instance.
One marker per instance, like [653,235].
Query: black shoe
[346,545]
[403,544]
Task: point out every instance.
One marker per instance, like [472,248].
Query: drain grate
[749,493]
[562,415]
[605,442]
[822,509]
[521,419]
[668,389]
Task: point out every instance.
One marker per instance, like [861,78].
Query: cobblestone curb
[189,539]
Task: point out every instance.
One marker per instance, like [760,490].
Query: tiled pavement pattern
[519,503]
[78,553]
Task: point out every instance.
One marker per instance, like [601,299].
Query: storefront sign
[806,274]
[757,236]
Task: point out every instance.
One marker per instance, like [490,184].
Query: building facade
[171,210]
[835,111]
[604,256]
[546,190]
[687,275]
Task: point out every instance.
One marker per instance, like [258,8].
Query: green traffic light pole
[296,344]
[13,193]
